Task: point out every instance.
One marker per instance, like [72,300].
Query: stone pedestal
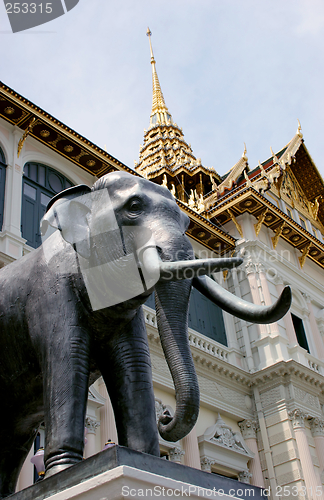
[118,473]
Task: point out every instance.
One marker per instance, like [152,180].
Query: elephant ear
[68,212]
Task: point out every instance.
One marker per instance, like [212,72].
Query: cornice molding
[285,369]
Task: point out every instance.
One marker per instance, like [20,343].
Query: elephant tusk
[188,269]
[240,308]
[150,261]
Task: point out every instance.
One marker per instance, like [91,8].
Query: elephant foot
[56,469]
[60,462]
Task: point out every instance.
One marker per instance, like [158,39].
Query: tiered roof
[166,157]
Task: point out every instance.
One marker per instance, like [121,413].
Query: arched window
[2,184]
[40,184]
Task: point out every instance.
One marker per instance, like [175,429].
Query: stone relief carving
[92,425]
[175,454]
[245,477]
[206,463]
[297,417]
[222,446]
[317,427]
[248,428]
[223,393]
[285,457]
[306,398]
[320,321]
[292,190]
[160,408]
[224,436]
[280,437]
[290,477]
[270,397]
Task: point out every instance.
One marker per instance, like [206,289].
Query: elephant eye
[135,206]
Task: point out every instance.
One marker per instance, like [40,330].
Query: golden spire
[160,113]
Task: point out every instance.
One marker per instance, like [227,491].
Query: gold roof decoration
[166,157]
[230,179]
[160,113]
[268,175]
[290,174]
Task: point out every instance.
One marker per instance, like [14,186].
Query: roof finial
[244,156]
[262,171]
[274,157]
[299,132]
[149,33]
[160,113]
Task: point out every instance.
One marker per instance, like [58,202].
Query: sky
[231,71]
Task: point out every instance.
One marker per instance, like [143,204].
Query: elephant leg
[14,450]
[126,370]
[66,375]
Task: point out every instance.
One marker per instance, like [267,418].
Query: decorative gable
[219,445]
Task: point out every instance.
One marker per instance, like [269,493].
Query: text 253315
[25,8]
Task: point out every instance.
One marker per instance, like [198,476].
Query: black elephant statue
[70,311]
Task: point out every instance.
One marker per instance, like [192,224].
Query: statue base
[118,473]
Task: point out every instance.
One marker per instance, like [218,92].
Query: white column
[311,479]
[90,448]
[248,430]
[12,215]
[107,418]
[11,242]
[317,428]
[26,476]
[191,449]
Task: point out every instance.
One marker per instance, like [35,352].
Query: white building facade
[261,418]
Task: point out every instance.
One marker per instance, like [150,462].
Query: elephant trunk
[172,304]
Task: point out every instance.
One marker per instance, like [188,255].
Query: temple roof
[165,156]
[37,123]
